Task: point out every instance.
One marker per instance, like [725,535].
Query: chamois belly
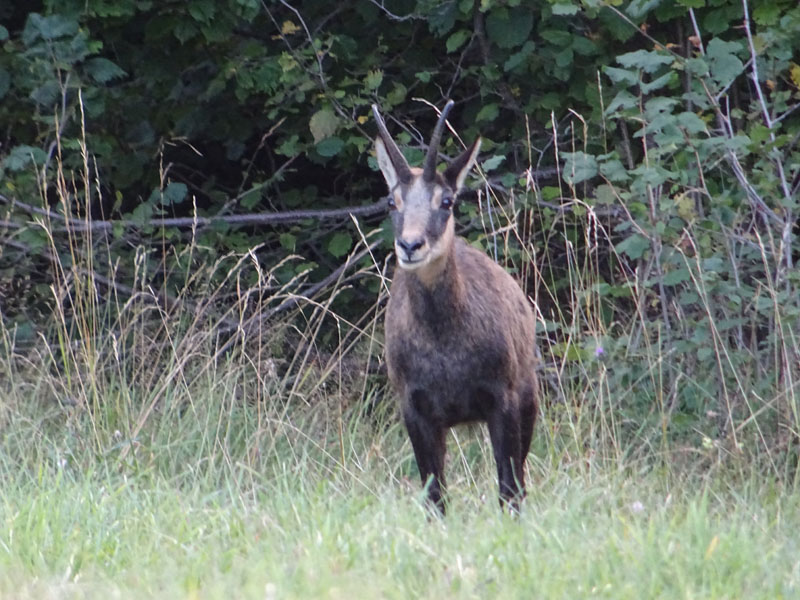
[450,383]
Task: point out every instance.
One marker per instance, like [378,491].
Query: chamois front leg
[504,432]
[428,441]
[527,419]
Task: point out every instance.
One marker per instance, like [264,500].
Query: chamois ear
[386,165]
[456,171]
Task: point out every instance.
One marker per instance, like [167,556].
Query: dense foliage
[645,154]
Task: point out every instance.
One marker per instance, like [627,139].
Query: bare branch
[700,45]
[290,216]
[759,92]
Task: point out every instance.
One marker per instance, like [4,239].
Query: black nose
[409,247]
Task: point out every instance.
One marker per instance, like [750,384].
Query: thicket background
[640,175]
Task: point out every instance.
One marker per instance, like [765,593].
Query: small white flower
[270,591]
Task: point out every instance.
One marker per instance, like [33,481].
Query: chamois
[459,330]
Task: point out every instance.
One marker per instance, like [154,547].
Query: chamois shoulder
[482,276]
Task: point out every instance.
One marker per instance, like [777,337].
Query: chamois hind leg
[504,432]
[428,442]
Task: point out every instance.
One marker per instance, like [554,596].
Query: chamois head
[422,199]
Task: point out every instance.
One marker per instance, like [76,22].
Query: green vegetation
[281,497]
[307,533]
[191,399]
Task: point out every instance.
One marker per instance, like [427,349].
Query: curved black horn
[429,168]
[398,160]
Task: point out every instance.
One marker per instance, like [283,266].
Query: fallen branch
[270,218]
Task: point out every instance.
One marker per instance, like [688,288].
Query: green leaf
[675,277]
[634,246]
[714,263]
[33,237]
[201,10]
[759,133]
[492,163]
[423,76]
[604,194]
[720,20]
[323,124]
[550,193]
[252,196]
[564,8]
[288,241]
[174,193]
[584,46]
[564,58]
[568,351]
[658,82]
[622,101]
[614,170]
[457,39]
[184,31]
[290,146]
[723,63]
[48,28]
[489,112]
[704,353]
[372,81]
[3,34]
[640,8]
[556,37]
[579,167]
[21,156]
[143,213]
[103,70]
[330,146]
[766,14]
[697,66]
[520,57]
[648,61]
[442,17]
[509,28]
[397,95]
[692,123]
[623,76]
[47,93]
[340,244]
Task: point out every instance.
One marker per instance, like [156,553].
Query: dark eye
[447,202]
[392,204]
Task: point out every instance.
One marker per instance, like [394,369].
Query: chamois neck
[436,294]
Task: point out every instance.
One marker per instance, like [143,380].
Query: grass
[303,530]
[156,460]
[209,502]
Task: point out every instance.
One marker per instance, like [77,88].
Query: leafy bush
[639,174]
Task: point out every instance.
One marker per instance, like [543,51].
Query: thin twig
[317,55]
[786,234]
[393,16]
